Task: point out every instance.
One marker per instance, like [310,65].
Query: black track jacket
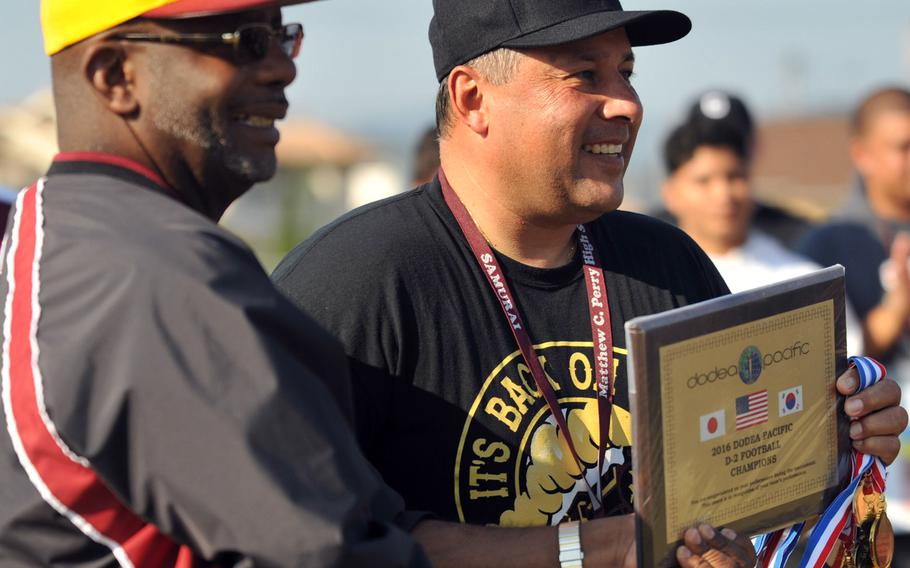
[164,405]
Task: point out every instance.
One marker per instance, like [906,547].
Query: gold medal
[873,545]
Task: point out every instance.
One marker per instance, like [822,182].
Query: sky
[366,65]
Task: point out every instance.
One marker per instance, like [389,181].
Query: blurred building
[803,164]
[802,167]
[28,139]
[322,174]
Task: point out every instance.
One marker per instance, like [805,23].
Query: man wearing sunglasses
[164,405]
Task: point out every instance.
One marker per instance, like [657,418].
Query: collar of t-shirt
[515,271]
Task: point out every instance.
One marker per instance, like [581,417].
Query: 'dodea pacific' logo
[750,364]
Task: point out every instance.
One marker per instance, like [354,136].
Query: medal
[856,517]
[873,541]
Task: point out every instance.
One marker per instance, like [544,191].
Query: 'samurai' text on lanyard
[601,331]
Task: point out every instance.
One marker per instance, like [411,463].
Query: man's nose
[729,190]
[621,101]
[276,68]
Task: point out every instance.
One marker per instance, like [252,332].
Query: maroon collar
[113,160]
[112,164]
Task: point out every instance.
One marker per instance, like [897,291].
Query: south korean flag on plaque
[790,401]
[713,425]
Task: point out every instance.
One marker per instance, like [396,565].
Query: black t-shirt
[446,408]
[861,241]
[857,246]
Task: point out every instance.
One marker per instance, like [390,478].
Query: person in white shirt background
[709,194]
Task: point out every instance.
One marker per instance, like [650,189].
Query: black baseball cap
[464,29]
[725,107]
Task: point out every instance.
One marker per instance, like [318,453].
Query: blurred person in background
[717,106]
[724,108]
[426,157]
[708,191]
[870,236]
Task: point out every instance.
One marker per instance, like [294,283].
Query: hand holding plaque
[705,546]
[735,410]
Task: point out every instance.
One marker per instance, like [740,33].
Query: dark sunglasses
[251,42]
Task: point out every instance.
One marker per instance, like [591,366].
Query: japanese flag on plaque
[713,426]
[790,401]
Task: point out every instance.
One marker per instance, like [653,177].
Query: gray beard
[207,131]
[202,127]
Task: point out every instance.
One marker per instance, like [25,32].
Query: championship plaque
[736,419]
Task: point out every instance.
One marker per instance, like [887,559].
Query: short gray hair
[497,67]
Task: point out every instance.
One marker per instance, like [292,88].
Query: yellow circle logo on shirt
[513,467]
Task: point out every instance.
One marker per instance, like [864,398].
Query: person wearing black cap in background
[724,108]
[719,106]
[708,190]
[432,292]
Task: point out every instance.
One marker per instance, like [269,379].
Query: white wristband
[570,554]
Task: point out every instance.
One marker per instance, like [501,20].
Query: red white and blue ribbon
[773,549]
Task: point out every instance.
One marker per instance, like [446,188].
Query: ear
[111,74]
[859,155]
[466,99]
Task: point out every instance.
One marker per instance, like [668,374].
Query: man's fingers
[688,560]
[744,544]
[718,549]
[884,447]
[730,545]
[886,422]
[694,542]
[881,395]
[848,382]
[900,251]
[878,418]
[707,559]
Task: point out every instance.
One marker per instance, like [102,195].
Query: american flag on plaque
[751,409]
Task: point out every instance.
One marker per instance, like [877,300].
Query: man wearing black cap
[467,306]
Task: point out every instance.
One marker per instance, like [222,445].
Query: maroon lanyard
[601,331]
